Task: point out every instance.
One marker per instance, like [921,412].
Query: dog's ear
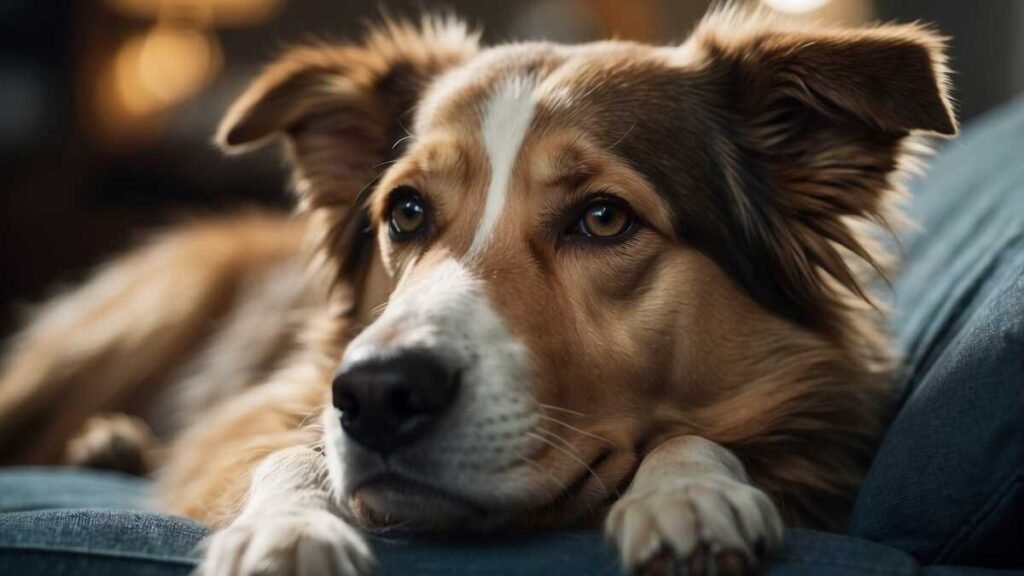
[819,122]
[892,77]
[340,108]
[341,112]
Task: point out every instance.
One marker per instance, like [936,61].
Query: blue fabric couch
[945,495]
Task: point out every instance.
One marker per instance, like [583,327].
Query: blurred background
[107,106]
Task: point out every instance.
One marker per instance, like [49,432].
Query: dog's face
[586,249]
[543,271]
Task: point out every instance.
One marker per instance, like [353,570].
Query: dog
[528,285]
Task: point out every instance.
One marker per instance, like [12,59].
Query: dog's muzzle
[389,402]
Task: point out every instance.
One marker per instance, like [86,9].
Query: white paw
[295,543]
[706,525]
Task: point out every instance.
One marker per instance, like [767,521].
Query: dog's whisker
[378,309]
[556,436]
[312,416]
[404,129]
[361,197]
[570,454]
[588,468]
[560,409]
[536,465]
[316,445]
[390,529]
[623,137]
[403,139]
[575,429]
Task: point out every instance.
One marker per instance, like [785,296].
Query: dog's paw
[707,525]
[112,442]
[307,543]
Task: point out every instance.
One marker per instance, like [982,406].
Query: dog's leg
[692,510]
[109,344]
[288,525]
[93,346]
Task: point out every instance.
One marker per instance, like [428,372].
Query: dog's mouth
[387,499]
[395,501]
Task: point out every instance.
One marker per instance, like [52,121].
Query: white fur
[690,492]
[286,526]
[506,121]
[477,450]
[440,95]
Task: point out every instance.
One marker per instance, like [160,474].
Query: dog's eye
[408,213]
[604,219]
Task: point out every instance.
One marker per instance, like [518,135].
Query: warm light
[209,12]
[795,6]
[128,89]
[176,63]
[150,75]
[164,67]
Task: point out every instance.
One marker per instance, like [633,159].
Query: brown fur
[740,312]
[207,473]
[113,345]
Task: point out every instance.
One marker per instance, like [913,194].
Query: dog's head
[586,249]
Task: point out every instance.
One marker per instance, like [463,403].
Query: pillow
[947,484]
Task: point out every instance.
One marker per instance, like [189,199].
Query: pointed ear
[340,108]
[821,120]
[340,111]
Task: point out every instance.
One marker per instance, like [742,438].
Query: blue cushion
[948,482]
[101,539]
[108,534]
[96,541]
[32,489]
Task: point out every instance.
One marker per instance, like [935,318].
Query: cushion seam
[953,543]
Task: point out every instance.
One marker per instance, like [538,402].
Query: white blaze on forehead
[506,120]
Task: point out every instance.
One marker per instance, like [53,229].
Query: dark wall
[986,48]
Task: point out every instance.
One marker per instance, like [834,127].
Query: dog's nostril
[347,403]
[402,401]
[388,403]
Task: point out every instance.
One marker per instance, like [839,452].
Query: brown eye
[408,214]
[604,219]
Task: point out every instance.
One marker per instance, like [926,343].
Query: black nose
[388,403]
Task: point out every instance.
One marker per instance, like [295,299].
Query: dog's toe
[112,442]
[710,525]
[310,543]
